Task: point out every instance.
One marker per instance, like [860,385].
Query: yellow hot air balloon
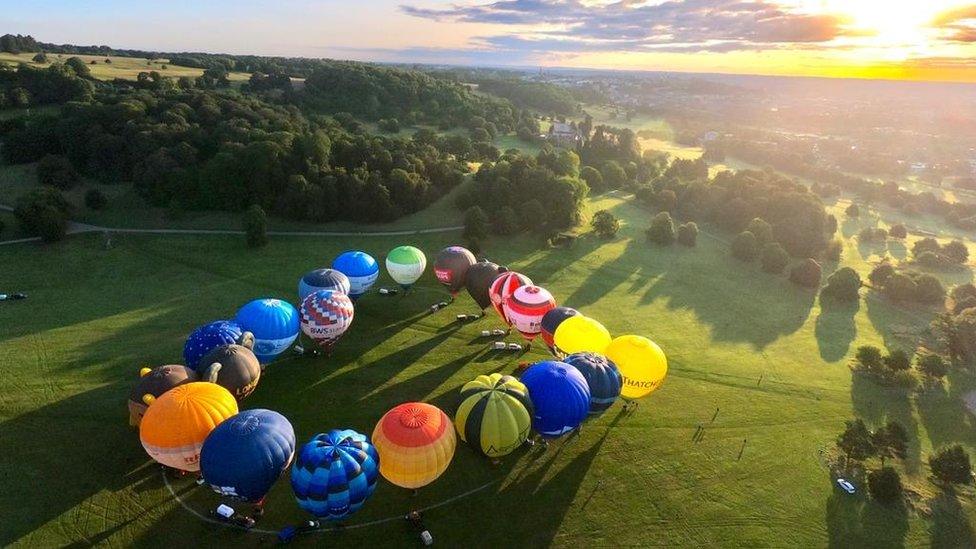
[579,334]
[174,427]
[641,362]
[416,443]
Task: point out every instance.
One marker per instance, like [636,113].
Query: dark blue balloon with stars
[207,338]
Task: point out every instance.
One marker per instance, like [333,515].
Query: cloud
[959,24]
[629,25]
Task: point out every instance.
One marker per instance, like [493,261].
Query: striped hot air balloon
[550,323]
[326,315]
[602,377]
[503,287]
[322,279]
[174,427]
[526,307]
[495,414]
[335,473]
[416,443]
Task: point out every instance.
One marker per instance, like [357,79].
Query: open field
[752,347]
[127,68]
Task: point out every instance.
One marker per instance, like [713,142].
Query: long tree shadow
[944,414]
[835,329]
[876,405]
[950,526]
[854,521]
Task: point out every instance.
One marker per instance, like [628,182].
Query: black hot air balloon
[451,266]
[479,279]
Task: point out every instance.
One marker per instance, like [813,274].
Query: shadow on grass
[855,521]
[835,329]
[944,414]
[877,405]
[950,526]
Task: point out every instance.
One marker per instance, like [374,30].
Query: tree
[390,125]
[880,274]
[605,224]
[43,212]
[869,357]
[898,231]
[843,285]
[475,224]
[662,229]
[688,234]
[856,441]
[256,226]
[898,360]
[505,222]
[933,366]
[891,441]
[57,171]
[40,58]
[614,177]
[833,250]
[900,287]
[79,67]
[761,230]
[745,246]
[927,244]
[592,177]
[95,199]
[885,485]
[806,273]
[853,211]
[533,215]
[956,252]
[928,289]
[951,465]
[774,258]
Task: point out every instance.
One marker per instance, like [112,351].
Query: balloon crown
[414,417]
[246,425]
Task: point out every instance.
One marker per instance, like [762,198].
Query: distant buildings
[564,135]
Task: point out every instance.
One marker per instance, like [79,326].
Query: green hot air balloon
[405,264]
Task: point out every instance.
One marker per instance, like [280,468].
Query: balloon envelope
[245,455]
[550,322]
[274,324]
[322,279]
[176,424]
[326,315]
[560,397]
[335,473]
[641,362]
[578,334]
[526,307]
[416,443]
[495,414]
[503,287]
[233,367]
[154,382]
[405,264]
[207,338]
[452,265]
[478,281]
[602,377]
[361,270]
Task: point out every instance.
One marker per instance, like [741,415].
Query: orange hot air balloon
[416,443]
[174,427]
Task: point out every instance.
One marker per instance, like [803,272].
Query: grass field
[127,68]
[763,355]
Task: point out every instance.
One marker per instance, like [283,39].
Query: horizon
[934,42]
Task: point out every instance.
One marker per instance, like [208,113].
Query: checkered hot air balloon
[526,307]
[503,287]
[335,473]
[326,315]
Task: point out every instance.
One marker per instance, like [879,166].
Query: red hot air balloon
[504,285]
[526,307]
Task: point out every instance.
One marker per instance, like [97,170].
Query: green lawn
[127,68]
[753,348]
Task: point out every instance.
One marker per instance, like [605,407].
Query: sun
[898,24]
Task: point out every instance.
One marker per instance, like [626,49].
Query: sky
[900,39]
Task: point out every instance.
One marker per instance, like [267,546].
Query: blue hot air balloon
[335,473]
[273,322]
[602,377]
[560,396]
[246,454]
[207,338]
[360,268]
[322,279]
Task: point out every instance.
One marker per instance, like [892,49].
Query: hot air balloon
[560,397]
[525,309]
[274,324]
[495,414]
[578,334]
[326,315]
[176,424]
[451,266]
[210,336]
[478,280]
[415,442]
[550,322]
[153,382]
[335,474]
[503,287]
[322,279]
[602,377]
[245,455]
[641,362]
[360,268]
[233,367]
[405,265]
